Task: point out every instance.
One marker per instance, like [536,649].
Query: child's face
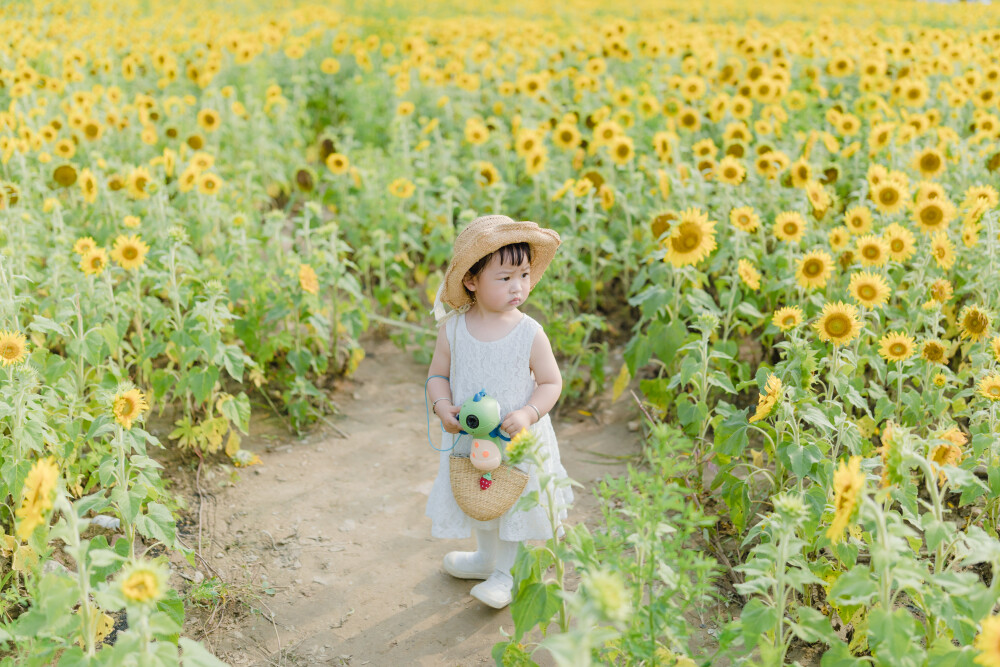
[501,287]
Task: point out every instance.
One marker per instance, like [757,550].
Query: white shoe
[478,564]
[495,591]
[468,564]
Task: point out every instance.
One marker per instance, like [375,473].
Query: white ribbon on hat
[440,314]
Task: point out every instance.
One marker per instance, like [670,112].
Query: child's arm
[549,381]
[441,388]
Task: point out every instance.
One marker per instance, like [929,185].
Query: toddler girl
[487,343]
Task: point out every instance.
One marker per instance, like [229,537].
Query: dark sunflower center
[9,351]
[932,215]
[130,252]
[888,196]
[897,349]
[791,228]
[837,325]
[870,252]
[930,162]
[897,245]
[867,292]
[813,268]
[975,323]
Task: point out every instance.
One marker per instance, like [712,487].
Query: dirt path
[336,528]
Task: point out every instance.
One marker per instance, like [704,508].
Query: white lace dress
[501,368]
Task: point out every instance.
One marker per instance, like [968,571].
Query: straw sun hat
[488,234]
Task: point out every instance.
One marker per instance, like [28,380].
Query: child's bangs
[515,253]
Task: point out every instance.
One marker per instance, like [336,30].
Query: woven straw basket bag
[483,504]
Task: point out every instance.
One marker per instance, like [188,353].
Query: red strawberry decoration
[485,481]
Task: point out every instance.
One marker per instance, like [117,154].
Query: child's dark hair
[512,253]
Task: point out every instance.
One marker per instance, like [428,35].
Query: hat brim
[487,235]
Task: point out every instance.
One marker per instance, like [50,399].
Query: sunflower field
[785,214]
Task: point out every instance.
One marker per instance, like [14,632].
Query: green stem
[82,575]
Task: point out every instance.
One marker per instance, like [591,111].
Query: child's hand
[449,417]
[517,420]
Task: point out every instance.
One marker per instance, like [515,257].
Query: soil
[324,549]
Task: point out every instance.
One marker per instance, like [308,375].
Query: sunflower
[767,400]
[486,174]
[858,219]
[790,226]
[127,406]
[132,221]
[137,182]
[973,193]
[838,323]
[622,149]
[39,486]
[988,643]
[927,191]
[13,346]
[337,163]
[933,215]
[209,183]
[566,136]
[869,289]
[688,119]
[941,290]
[889,196]
[995,347]
[848,483]
[607,196]
[94,261]
[88,186]
[144,582]
[880,136]
[129,252]
[730,171]
[901,243]
[476,132]
[954,436]
[534,162]
[583,187]
[65,175]
[876,174]
[945,454]
[838,238]
[930,162]
[943,250]
[83,245]
[308,280]
[818,197]
[660,223]
[989,387]
[692,239]
[895,346]
[872,250]
[402,188]
[800,173]
[787,318]
[934,351]
[814,269]
[749,274]
[744,218]
[974,323]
